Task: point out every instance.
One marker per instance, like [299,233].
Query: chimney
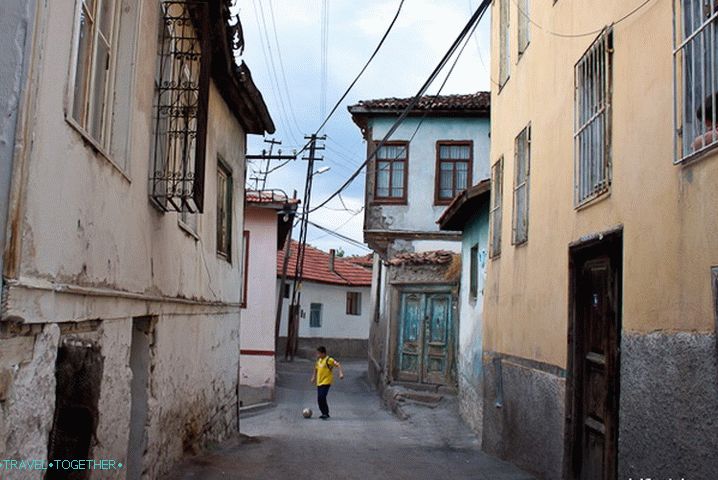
[332,255]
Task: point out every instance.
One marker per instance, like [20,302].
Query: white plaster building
[335,309]
[120,313]
[267,225]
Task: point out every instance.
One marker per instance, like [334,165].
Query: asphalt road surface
[362,440]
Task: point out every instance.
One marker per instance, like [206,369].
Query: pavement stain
[361,440]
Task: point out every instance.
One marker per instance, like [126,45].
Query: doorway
[594,357]
[426,337]
[140,360]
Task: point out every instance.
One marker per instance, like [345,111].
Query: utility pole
[295,305]
[268,156]
[283,282]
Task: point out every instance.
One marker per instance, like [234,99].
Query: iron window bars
[695,56]
[497,193]
[177,179]
[592,120]
[522,166]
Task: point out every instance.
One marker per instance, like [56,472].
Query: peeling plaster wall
[16,25]
[420,213]
[470,363]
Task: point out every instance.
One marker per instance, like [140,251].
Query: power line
[578,35]
[349,240]
[470,27]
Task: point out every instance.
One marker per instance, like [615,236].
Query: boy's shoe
[324,417]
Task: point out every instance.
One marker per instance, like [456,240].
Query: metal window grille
[522,166]
[454,169]
[315,315]
[177,179]
[353,303]
[94,68]
[524,25]
[504,42]
[695,78]
[497,192]
[592,134]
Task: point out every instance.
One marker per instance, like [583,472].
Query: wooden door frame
[400,288]
[611,243]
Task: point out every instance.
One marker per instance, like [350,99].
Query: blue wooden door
[425,338]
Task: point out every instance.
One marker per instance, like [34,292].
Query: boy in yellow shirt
[322,377]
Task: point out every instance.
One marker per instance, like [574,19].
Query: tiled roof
[480,101]
[437,257]
[366,261]
[316,268]
[268,196]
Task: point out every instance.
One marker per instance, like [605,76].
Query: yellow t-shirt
[324,368]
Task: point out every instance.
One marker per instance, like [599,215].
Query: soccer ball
[307,413]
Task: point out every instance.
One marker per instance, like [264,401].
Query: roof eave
[456,214]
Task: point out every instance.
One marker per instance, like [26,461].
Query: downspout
[387,343]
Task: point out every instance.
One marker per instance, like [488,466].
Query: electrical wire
[349,240]
[578,35]
[470,27]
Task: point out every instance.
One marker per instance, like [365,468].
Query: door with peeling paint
[425,338]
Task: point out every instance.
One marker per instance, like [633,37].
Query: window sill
[387,201]
[520,244]
[96,147]
[502,85]
[187,229]
[593,200]
[224,257]
[694,157]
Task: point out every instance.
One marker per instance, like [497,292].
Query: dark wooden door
[597,307]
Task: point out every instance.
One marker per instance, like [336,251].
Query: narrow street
[362,440]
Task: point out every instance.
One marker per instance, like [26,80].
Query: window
[315,315]
[497,193]
[93,74]
[224,210]
[522,166]
[504,42]
[524,25]
[474,273]
[287,290]
[180,119]
[245,269]
[189,221]
[696,81]
[453,165]
[391,174]
[353,303]
[592,142]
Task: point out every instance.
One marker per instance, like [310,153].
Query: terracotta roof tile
[475,101]
[437,257]
[268,196]
[316,268]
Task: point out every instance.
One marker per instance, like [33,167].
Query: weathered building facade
[119,322]
[334,310]
[267,225]
[469,214]
[439,150]
[600,308]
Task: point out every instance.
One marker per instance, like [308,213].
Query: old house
[440,149]
[268,218]
[469,214]
[600,298]
[335,302]
[120,313]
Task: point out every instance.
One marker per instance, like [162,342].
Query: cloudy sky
[283,48]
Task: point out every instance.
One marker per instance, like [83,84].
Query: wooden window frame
[437,174]
[226,212]
[405,188]
[518,185]
[523,11]
[474,273]
[312,309]
[504,42]
[83,125]
[245,268]
[496,209]
[353,300]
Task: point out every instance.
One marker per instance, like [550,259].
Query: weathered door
[411,336]
[597,304]
[425,338]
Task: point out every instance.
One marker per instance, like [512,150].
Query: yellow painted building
[600,314]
